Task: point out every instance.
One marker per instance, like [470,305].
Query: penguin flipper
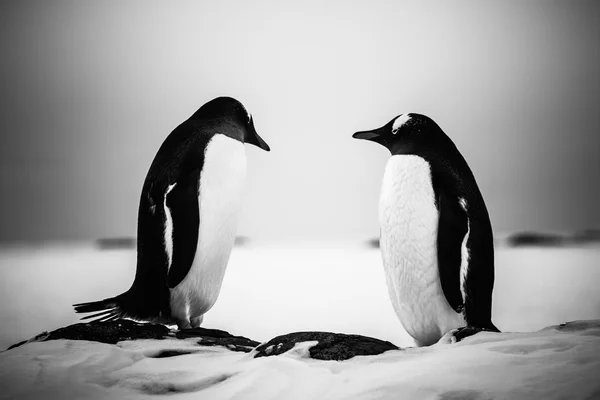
[479,281]
[183,206]
[452,229]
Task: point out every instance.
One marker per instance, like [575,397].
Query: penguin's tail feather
[110,309]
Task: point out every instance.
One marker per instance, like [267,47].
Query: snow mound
[557,362]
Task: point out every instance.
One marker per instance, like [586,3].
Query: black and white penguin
[187,219]
[436,236]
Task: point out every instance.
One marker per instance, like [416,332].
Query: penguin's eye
[395,131]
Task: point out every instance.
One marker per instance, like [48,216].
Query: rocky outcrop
[330,346]
[216,337]
[129,243]
[104,332]
[539,239]
[523,239]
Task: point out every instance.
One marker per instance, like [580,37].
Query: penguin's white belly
[409,223]
[222,182]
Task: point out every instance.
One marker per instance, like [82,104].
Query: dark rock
[17,344]
[241,241]
[331,346]
[216,337]
[523,239]
[575,326]
[373,243]
[172,353]
[201,332]
[586,236]
[112,332]
[116,243]
[128,243]
[109,332]
[583,237]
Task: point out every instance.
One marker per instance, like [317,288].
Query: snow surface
[544,365]
[272,291]
[269,291]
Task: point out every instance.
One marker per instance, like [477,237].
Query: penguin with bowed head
[436,237]
[187,219]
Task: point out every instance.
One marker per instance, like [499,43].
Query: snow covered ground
[544,365]
[269,291]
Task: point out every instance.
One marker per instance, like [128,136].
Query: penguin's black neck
[403,148]
[428,148]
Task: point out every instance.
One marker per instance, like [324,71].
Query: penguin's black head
[232,111]
[408,133]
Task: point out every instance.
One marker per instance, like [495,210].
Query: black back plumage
[452,180]
[173,178]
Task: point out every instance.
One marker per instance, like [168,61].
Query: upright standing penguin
[187,219]
[436,236]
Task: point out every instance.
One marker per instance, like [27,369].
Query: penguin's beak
[253,138]
[373,135]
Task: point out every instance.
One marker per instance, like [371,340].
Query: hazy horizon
[91,89]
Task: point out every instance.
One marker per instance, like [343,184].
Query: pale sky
[90,89]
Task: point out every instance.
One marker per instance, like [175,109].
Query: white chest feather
[222,181]
[409,223]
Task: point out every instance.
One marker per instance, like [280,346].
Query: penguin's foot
[190,323]
[456,335]
[448,338]
[182,324]
[466,331]
[197,321]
